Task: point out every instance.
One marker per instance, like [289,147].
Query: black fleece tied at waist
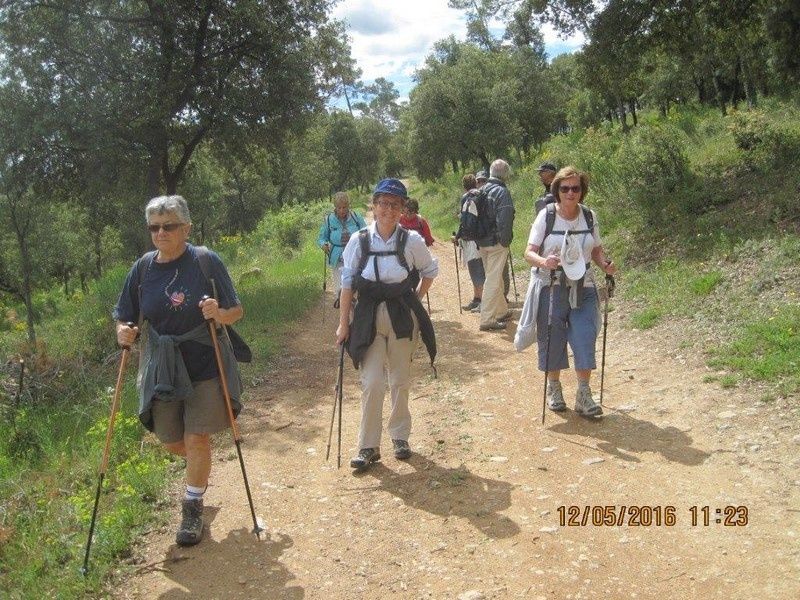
[400,301]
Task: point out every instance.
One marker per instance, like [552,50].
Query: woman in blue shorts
[562,255]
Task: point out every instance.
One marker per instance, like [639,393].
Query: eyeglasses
[390,205]
[575,189]
[168,227]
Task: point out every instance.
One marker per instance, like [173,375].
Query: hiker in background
[547,171]
[481,179]
[388,318]
[469,250]
[411,220]
[183,405]
[493,247]
[563,244]
[336,229]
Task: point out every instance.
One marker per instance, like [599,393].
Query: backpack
[366,251]
[550,219]
[241,350]
[475,224]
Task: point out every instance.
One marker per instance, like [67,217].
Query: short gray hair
[500,170]
[168,204]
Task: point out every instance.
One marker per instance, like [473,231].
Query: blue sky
[392,38]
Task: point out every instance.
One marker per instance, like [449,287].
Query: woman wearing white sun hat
[563,238]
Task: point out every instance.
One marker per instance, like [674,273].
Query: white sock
[194,493]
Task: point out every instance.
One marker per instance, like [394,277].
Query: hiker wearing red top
[411,220]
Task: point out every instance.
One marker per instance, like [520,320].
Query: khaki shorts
[203,412]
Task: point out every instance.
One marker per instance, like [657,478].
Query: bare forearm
[345,304]
[424,286]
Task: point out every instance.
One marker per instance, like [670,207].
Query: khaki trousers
[336,277]
[386,351]
[493,303]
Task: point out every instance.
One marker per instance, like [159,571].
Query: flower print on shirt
[179,297]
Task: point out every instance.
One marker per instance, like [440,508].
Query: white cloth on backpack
[572,260]
[526,328]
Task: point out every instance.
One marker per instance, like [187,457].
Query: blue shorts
[476,272]
[578,326]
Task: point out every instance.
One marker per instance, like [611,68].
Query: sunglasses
[390,205]
[168,227]
[563,189]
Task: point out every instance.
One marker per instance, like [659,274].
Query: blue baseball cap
[391,186]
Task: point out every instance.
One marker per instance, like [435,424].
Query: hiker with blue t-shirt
[334,233]
[563,240]
[388,320]
[180,398]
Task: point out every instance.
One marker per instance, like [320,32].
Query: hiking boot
[493,326]
[365,457]
[505,317]
[585,405]
[477,308]
[402,450]
[555,397]
[191,530]
[472,305]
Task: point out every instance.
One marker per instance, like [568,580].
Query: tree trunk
[25,263]
[98,256]
[154,176]
[750,92]
[632,107]
[623,117]
[718,92]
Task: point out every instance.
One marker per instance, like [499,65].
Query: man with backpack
[496,222]
[547,171]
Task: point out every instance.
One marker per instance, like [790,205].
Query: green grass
[50,446]
[645,319]
[767,350]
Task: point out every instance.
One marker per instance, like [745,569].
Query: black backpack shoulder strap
[142,266]
[549,220]
[402,238]
[203,255]
[363,241]
[589,216]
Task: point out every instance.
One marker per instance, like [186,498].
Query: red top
[419,225]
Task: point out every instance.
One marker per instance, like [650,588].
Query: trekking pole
[335,401]
[324,282]
[341,396]
[610,284]
[513,277]
[324,271]
[106,451]
[458,277]
[223,380]
[547,351]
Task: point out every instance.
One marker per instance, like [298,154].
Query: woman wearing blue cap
[388,318]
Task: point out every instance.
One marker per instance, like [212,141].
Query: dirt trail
[475,512]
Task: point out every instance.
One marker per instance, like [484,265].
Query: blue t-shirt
[170,295]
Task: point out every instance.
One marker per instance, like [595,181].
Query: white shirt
[553,242]
[391,271]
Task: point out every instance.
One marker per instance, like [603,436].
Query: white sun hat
[572,257]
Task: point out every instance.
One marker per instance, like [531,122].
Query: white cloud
[391,39]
